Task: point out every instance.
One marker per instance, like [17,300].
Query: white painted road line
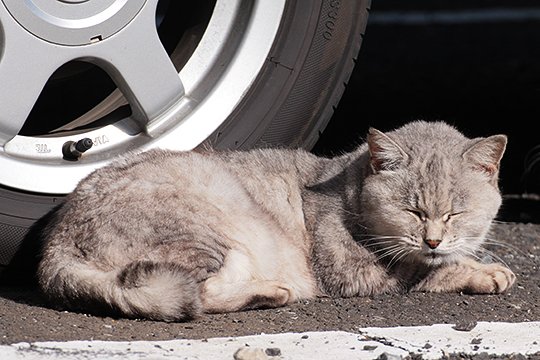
[431,342]
[434,341]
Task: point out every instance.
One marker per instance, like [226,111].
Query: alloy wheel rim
[170,108]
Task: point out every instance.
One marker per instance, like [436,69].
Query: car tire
[288,104]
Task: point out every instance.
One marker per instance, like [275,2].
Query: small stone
[273,351]
[305,337]
[476,341]
[464,325]
[245,353]
[387,356]
[369,347]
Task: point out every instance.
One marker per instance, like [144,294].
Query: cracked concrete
[439,340]
[420,342]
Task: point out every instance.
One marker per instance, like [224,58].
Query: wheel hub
[73,22]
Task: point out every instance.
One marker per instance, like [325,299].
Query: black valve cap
[84,145]
[73,150]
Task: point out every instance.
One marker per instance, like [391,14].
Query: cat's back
[158,195]
[152,169]
[159,167]
[182,185]
[140,192]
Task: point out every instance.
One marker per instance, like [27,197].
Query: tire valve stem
[72,150]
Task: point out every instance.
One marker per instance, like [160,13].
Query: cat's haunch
[170,235]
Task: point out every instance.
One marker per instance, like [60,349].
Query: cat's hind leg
[219,297]
[239,285]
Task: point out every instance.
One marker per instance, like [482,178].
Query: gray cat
[170,235]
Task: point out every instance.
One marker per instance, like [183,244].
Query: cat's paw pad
[491,279]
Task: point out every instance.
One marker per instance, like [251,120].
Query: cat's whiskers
[491,254]
[378,243]
[396,247]
[471,248]
[477,252]
[394,254]
[398,251]
[494,242]
[375,237]
[374,240]
[458,249]
[388,249]
[376,248]
[458,245]
[386,246]
[472,254]
[466,253]
[397,257]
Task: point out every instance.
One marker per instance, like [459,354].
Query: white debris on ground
[426,342]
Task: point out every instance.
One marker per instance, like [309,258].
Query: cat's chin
[435,258]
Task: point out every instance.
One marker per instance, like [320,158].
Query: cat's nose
[432,243]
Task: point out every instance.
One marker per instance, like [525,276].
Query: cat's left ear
[486,154]
[385,153]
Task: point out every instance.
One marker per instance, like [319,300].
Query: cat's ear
[385,153]
[485,155]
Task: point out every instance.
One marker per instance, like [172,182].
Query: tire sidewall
[303,78]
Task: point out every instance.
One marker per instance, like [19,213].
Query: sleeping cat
[169,235]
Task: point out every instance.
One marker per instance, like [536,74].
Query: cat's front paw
[490,279]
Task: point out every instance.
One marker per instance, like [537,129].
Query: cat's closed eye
[421,215]
[418,214]
[449,215]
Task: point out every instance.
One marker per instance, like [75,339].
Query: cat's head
[432,193]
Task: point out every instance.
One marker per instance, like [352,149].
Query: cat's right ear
[385,153]
[485,154]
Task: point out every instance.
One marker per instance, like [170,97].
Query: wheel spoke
[24,71]
[142,69]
